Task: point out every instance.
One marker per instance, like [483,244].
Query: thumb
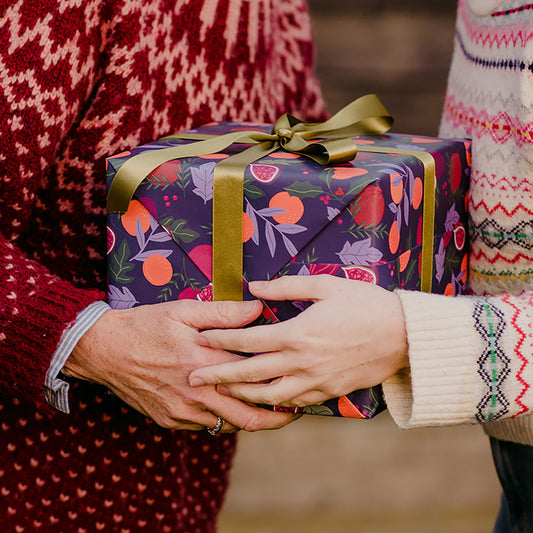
[224,314]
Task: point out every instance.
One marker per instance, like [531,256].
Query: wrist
[90,359]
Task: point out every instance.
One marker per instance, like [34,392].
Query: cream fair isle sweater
[471,357]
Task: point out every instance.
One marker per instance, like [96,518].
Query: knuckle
[224,309]
[252,423]
[299,402]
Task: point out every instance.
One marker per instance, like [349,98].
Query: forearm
[35,309]
[468,360]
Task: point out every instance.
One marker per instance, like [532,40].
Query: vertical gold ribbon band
[365,116]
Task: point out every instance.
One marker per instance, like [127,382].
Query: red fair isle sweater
[81,80]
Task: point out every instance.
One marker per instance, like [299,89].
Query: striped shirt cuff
[55,388]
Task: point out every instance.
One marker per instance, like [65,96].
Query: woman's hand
[352,337]
[145,355]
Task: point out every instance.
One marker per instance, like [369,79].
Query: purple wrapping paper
[360,220]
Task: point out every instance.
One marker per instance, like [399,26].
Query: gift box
[386,217]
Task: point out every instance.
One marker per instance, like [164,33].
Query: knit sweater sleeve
[48,66]
[35,308]
[470,360]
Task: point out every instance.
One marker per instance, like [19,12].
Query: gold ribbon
[364,116]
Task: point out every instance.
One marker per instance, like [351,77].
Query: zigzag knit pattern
[80,80]
[490,99]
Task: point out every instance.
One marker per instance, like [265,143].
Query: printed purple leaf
[202,177]
[360,253]
[399,218]
[251,213]
[291,229]
[440,256]
[121,299]
[289,246]
[162,236]
[304,271]
[301,305]
[397,180]
[271,211]
[332,212]
[270,238]
[406,209]
[416,147]
[393,207]
[145,255]
[139,232]
[153,221]
[452,218]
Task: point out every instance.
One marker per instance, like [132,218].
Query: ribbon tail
[131,174]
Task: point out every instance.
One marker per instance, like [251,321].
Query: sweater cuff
[441,385]
[55,388]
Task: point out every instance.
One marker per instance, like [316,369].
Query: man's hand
[145,355]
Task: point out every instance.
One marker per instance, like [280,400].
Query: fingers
[259,368]
[238,414]
[251,340]
[285,392]
[297,287]
[206,315]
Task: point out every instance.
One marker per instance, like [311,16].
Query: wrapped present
[392,212]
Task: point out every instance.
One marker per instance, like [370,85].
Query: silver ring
[218,426]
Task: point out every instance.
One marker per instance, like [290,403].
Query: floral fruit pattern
[360,220]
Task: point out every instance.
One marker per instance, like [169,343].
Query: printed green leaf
[304,189]
[178,229]
[356,186]
[318,410]
[119,264]
[251,191]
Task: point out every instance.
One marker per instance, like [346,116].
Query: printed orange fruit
[294,208]
[214,156]
[157,270]
[345,173]
[348,409]
[418,191]
[247,227]
[449,290]
[284,155]
[396,188]
[468,148]
[404,260]
[394,237]
[135,211]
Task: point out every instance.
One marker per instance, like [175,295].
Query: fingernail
[222,389]
[196,381]
[258,285]
[202,340]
